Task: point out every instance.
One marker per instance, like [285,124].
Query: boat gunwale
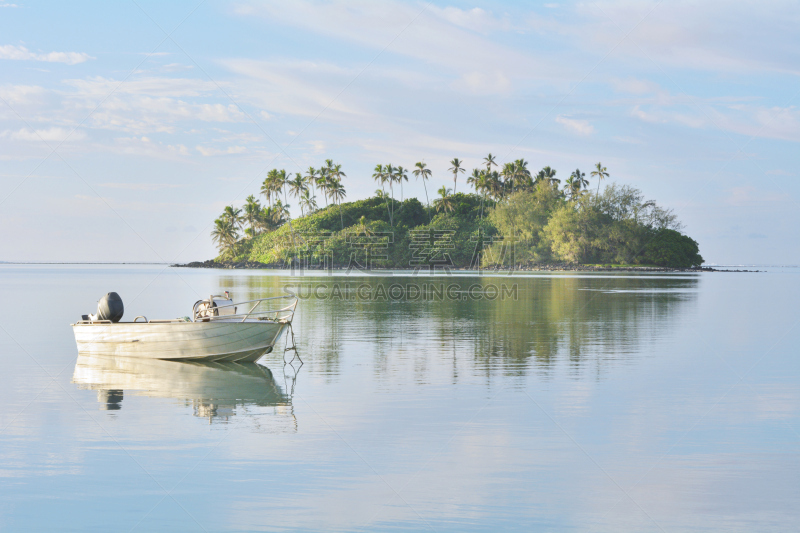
[175,322]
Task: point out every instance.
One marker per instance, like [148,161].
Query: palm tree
[336,174]
[522,176]
[233,215]
[337,194]
[480,180]
[297,186]
[329,186]
[402,174]
[509,174]
[455,169]
[377,174]
[363,226]
[550,175]
[322,183]
[475,178]
[600,172]
[484,185]
[381,175]
[225,234]
[218,234]
[422,171]
[266,189]
[310,179]
[328,166]
[390,174]
[580,178]
[327,173]
[274,183]
[490,160]
[570,188]
[307,201]
[380,193]
[268,220]
[575,183]
[252,209]
[281,181]
[445,202]
[281,210]
[495,185]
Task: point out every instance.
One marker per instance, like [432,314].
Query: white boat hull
[216,340]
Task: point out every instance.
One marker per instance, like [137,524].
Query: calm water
[567,402]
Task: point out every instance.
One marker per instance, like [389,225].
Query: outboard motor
[109,308]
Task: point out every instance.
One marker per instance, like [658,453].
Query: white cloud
[206,151]
[716,35]
[635,86]
[150,86]
[434,36]
[749,120]
[759,121]
[175,67]
[20,53]
[581,127]
[22,94]
[219,113]
[44,135]
[645,116]
[80,203]
[475,19]
[483,83]
[748,195]
[144,114]
[285,89]
[140,186]
[628,140]
[139,105]
[242,137]
[318,147]
[145,147]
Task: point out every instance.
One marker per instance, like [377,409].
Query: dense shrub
[670,248]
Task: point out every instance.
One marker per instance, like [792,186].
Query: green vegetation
[513,218]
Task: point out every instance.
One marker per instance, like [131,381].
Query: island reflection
[214,390]
[588,322]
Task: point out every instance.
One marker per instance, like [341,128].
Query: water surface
[592,402]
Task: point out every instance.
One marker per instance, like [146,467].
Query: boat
[218,330]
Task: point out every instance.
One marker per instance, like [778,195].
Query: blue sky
[126,127]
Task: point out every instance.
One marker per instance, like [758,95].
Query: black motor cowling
[109,308]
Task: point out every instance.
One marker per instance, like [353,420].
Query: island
[511,218]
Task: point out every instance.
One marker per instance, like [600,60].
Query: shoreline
[254,265]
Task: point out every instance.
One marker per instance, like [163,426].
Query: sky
[126,127]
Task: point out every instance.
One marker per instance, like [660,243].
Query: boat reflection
[214,390]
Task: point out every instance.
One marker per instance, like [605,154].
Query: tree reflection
[471,323]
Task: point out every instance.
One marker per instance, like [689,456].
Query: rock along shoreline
[254,265]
